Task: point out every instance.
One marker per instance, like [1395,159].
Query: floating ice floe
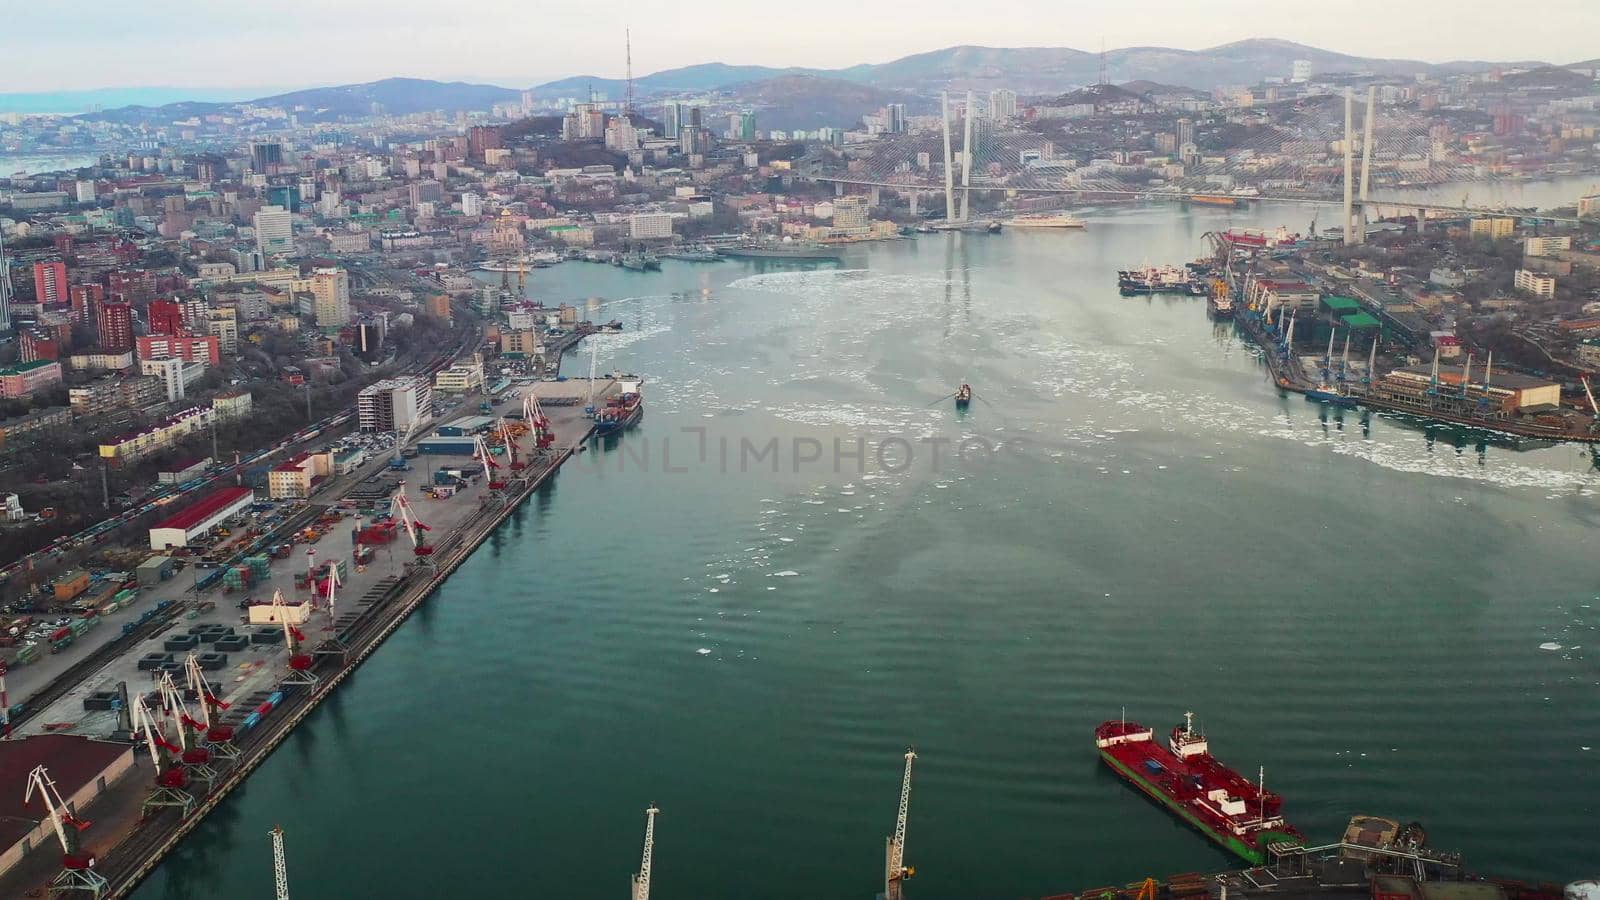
[1549,645]
[704,651]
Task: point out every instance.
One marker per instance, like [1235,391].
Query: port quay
[138,819]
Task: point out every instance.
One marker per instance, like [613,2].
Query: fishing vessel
[1047,220]
[622,411]
[964,396]
[1240,815]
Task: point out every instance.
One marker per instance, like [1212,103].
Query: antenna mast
[627,40]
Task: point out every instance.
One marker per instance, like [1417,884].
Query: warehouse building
[179,529]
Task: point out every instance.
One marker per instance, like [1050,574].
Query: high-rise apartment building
[50,283]
[1002,104]
[114,322]
[331,288]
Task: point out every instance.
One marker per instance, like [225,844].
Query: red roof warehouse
[180,528]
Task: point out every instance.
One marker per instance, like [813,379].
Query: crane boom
[280,868]
[895,870]
[641,881]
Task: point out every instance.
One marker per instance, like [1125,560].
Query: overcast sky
[49,45]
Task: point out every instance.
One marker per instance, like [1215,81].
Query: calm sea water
[1390,621]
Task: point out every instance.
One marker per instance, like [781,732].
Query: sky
[60,45]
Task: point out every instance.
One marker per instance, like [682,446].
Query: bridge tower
[1349,169]
[949,173]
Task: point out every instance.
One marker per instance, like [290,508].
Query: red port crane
[77,867]
[172,781]
[219,737]
[408,517]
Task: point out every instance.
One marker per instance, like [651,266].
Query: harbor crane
[408,518]
[329,592]
[533,414]
[300,662]
[195,758]
[280,868]
[895,871]
[172,782]
[398,461]
[481,451]
[641,881]
[219,737]
[77,867]
[1593,408]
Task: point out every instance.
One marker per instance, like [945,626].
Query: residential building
[230,406]
[293,478]
[1002,104]
[649,226]
[165,317]
[850,212]
[24,379]
[35,423]
[95,360]
[1589,352]
[471,204]
[110,393]
[161,434]
[1493,228]
[331,288]
[37,344]
[1535,283]
[223,324]
[522,342]
[189,348]
[395,404]
[114,322]
[174,374]
[1545,245]
[274,230]
[50,283]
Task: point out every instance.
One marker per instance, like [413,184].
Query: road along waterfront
[1156,529]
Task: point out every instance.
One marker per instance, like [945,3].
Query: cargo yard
[151,708]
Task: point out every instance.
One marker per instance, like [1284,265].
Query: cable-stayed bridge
[1400,161]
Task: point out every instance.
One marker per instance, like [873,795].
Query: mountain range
[1027,70]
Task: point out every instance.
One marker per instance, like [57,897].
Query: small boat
[964,396]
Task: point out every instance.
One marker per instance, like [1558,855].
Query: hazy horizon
[226,50]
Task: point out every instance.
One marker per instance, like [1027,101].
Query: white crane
[641,881]
[280,868]
[219,738]
[299,663]
[334,581]
[409,519]
[400,440]
[895,869]
[77,868]
[195,758]
[171,779]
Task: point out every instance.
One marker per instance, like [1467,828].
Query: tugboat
[964,396]
[622,411]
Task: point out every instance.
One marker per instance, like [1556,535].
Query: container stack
[260,567]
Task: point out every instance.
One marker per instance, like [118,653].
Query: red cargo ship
[1185,778]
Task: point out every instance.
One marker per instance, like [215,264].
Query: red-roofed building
[81,769]
[179,529]
[293,478]
[189,348]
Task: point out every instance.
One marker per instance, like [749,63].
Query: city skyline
[231,49]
